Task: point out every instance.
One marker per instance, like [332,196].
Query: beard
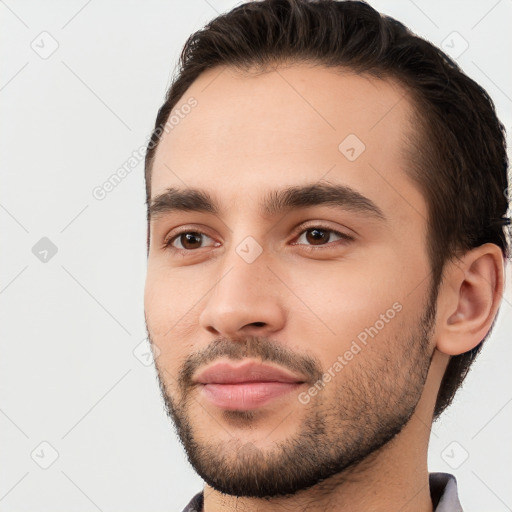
[374,398]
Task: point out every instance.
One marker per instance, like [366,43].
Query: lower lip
[246,395]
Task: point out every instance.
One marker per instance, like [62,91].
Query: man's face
[336,293]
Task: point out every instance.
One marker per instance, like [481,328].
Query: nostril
[258,324]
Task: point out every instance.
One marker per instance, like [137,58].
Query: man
[326,253]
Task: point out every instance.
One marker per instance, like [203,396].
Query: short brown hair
[458,152]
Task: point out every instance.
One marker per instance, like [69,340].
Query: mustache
[257,347]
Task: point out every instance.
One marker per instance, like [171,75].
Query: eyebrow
[274,203]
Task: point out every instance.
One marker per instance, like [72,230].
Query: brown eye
[190,240]
[187,241]
[319,236]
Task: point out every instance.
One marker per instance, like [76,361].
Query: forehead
[249,133]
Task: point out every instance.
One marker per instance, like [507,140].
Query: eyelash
[344,239]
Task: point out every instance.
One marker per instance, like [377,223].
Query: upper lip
[226,373]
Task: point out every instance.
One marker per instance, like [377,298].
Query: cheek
[352,301]
[171,305]
[171,295]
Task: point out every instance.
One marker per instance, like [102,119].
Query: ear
[469,298]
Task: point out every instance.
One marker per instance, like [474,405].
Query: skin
[250,134]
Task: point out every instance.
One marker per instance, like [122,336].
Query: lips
[246,386]
[226,373]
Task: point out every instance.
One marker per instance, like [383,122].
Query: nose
[246,300]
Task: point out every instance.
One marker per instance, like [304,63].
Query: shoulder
[444,493]
[195,504]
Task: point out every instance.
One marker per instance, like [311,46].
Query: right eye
[186,241]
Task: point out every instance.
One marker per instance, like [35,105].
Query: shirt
[443,491]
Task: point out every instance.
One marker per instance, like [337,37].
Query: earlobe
[470,296]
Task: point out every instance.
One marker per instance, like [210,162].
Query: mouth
[246,386]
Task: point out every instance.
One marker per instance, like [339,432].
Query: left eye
[320,236]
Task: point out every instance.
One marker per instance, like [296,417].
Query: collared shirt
[443,491]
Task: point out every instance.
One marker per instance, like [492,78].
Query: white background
[70,325]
